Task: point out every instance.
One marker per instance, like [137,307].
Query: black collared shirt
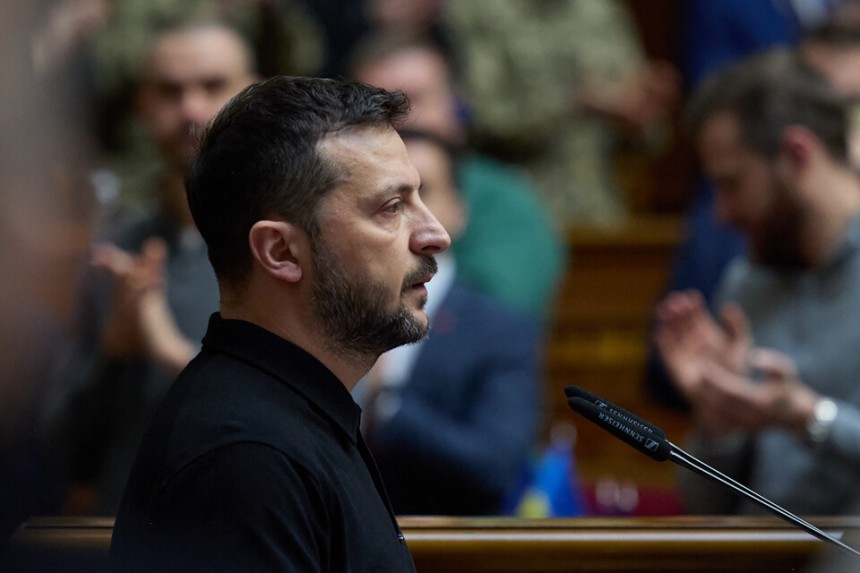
[254,462]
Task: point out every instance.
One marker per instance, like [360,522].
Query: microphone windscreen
[652,445]
[577,392]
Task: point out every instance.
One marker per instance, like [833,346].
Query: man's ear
[278,247]
[798,146]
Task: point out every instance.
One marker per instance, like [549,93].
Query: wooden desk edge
[500,545]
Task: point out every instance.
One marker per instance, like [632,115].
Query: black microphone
[577,392]
[652,442]
[624,428]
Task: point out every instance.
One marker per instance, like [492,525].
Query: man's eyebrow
[401,188]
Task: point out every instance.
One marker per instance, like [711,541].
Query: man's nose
[196,107]
[429,237]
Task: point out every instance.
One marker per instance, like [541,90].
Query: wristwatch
[820,423]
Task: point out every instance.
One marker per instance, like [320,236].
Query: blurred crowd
[520,111]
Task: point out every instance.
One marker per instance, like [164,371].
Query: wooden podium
[491,545]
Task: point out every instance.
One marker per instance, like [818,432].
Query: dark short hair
[769,92]
[834,33]
[378,47]
[260,158]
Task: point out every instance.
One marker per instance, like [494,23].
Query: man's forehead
[200,51]
[374,155]
[720,145]
[722,124]
[722,135]
[357,143]
[406,70]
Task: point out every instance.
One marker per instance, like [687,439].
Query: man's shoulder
[235,453]
[203,516]
[218,389]
[464,296]
[221,409]
[218,402]
[480,312]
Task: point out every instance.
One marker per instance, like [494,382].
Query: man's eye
[393,207]
[215,86]
[167,91]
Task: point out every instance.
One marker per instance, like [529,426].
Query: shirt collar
[287,362]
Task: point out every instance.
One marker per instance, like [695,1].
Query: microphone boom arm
[683,459]
[651,441]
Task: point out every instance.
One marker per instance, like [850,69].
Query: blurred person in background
[45,157]
[834,50]
[144,306]
[344,24]
[772,384]
[556,86]
[714,35]
[453,419]
[281,36]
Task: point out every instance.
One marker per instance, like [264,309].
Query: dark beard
[352,312]
[778,245]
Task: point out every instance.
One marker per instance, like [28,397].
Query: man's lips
[419,283]
[421,275]
[425,279]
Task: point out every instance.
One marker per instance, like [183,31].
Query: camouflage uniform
[522,63]
[119,50]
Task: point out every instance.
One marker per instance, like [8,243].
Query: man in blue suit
[453,419]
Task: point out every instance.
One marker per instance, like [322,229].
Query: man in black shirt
[310,210]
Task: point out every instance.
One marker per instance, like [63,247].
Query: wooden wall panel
[599,341]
